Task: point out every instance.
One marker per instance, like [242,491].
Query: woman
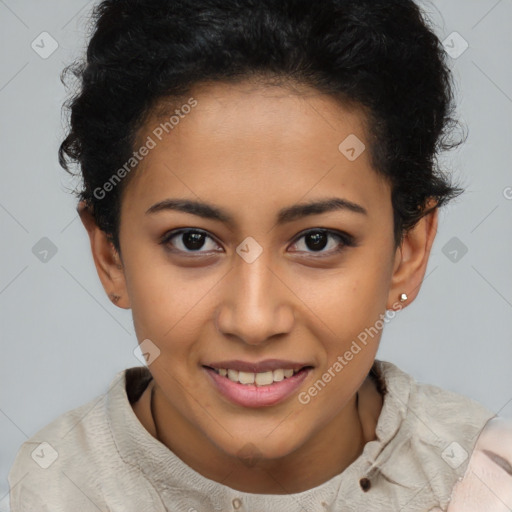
[260,189]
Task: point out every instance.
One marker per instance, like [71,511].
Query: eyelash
[345,239]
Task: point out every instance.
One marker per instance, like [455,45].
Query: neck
[314,463]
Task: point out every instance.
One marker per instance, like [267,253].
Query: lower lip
[250,395]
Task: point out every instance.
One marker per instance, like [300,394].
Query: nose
[256,303]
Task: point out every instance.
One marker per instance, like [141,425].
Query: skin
[251,150]
[487,482]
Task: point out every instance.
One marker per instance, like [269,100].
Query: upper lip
[260,367]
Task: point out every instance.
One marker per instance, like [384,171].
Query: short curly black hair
[380,55]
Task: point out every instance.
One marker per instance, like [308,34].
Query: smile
[259,379]
[252,389]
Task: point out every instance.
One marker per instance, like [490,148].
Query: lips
[257,383]
[261,389]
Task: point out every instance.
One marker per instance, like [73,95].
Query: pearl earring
[403,297]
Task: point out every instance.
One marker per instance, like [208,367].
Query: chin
[251,448]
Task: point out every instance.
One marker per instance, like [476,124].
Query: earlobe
[411,260]
[106,259]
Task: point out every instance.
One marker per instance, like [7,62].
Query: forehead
[248,142]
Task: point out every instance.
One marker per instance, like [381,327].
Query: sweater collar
[174,480]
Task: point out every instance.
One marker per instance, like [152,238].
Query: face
[222,263]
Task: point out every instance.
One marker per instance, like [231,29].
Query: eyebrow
[286,215]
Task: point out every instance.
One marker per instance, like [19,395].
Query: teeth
[264,379]
[260,379]
[246,377]
[233,375]
[278,375]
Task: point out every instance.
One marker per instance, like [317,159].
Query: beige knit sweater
[99,457]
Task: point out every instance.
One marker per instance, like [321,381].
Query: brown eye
[189,241]
[315,241]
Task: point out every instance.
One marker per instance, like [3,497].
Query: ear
[106,259]
[411,260]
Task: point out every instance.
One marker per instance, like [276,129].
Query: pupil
[319,240]
[193,240]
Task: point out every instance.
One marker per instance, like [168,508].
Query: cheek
[169,306]
[352,305]
[156,296]
[352,298]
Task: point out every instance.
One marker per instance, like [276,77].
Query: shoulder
[62,461]
[430,408]
[449,422]
[430,432]
[444,411]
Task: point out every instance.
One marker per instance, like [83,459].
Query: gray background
[62,340]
